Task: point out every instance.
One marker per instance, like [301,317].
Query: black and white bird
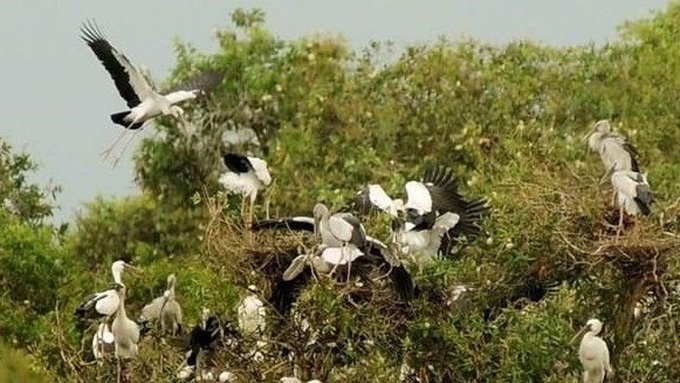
[144,102]
[104,304]
[202,337]
[342,241]
[633,193]
[593,353]
[165,309]
[616,152]
[427,200]
[245,176]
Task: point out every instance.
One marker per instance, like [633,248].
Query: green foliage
[17,195]
[508,119]
[16,367]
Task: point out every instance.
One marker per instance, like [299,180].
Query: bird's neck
[117,276]
[179,96]
[121,307]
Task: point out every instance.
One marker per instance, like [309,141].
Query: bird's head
[602,126]
[171,281]
[594,325]
[119,266]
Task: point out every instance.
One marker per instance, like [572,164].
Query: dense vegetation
[508,119]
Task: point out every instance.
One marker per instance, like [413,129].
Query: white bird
[102,342]
[435,194]
[593,353]
[125,332]
[633,193]
[252,314]
[245,176]
[104,304]
[165,309]
[614,150]
[422,245]
[144,102]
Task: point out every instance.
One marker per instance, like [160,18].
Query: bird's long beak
[133,269]
[578,334]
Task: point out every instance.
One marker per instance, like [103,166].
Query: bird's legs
[127,143]
[620,228]
[118,370]
[108,151]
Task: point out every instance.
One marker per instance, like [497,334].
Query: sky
[57,97]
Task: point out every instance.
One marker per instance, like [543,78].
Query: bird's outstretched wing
[131,84]
[291,223]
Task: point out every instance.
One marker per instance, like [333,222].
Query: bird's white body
[615,152]
[252,315]
[102,342]
[227,376]
[630,186]
[340,255]
[125,331]
[106,303]
[250,183]
[594,354]
[165,308]
[422,246]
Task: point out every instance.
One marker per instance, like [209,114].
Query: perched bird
[252,314]
[125,332]
[104,304]
[245,176]
[593,353]
[165,309]
[633,193]
[201,337]
[343,241]
[103,342]
[144,102]
[614,150]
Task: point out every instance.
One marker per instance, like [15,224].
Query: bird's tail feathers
[121,118]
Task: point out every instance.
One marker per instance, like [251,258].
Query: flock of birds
[435,220]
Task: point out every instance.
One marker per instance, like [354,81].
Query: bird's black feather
[94,38]
[237,163]
[294,224]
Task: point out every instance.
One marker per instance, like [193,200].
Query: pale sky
[57,97]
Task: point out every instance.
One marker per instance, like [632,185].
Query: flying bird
[165,309]
[431,197]
[593,353]
[143,101]
[633,193]
[245,176]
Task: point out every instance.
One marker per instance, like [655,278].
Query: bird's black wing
[120,71]
[86,308]
[634,155]
[237,163]
[291,223]
[285,293]
[469,225]
[443,186]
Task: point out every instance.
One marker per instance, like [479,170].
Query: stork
[633,193]
[165,309]
[436,194]
[593,353]
[103,305]
[144,102]
[201,337]
[614,150]
[125,332]
[245,176]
